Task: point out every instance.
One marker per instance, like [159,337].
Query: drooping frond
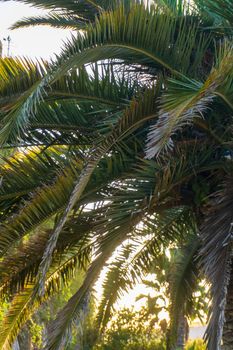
[183,282]
[134,116]
[54,190]
[100,92]
[45,202]
[188,99]
[70,14]
[20,266]
[86,9]
[141,35]
[17,76]
[171,225]
[120,278]
[216,255]
[53,20]
[219,10]
[32,165]
[25,303]
[112,236]
[136,36]
[135,259]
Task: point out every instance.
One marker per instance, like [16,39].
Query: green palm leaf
[216,254]
[21,265]
[136,115]
[53,20]
[142,34]
[113,237]
[99,90]
[25,303]
[135,259]
[184,278]
[43,202]
[220,10]
[187,100]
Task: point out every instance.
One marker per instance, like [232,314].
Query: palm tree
[86,123]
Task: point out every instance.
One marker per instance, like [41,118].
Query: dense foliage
[128,331]
[123,144]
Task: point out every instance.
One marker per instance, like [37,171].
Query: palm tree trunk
[182,333]
[227,337]
[24,339]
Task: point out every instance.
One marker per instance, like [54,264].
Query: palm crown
[134,118]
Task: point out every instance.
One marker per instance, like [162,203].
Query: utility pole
[8,39]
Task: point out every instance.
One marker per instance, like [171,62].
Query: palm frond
[137,34]
[125,212]
[112,236]
[187,100]
[135,259]
[135,115]
[75,18]
[20,266]
[161,229]
[32,164]
[120,278]
[18,74]
[220,10]
[82,8]
[216,255]
[183,282]
[175,7]
[100,90]
[53,20]
[45,200]
[96,83]
[25,303]
[145,36]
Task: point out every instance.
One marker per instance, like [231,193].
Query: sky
[40,41]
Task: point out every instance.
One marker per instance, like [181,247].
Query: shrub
[197,344]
